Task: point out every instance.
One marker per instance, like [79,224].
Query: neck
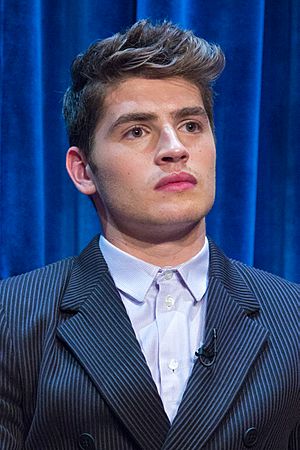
[162,251]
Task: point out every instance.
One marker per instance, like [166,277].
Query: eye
[135,132]
[192,127]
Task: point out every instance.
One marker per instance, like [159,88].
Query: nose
[170,149]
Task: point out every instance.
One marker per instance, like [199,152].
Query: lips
[176,182]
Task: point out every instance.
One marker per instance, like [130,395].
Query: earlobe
[79,171]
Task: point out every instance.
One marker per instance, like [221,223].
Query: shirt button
[168,274]
[169,301]
[173,364]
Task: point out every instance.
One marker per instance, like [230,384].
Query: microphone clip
[207,355]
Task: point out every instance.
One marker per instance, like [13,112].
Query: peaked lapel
[100,335]
[211,391]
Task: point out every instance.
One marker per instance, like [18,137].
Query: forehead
[151,94]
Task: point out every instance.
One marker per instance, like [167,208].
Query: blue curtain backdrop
[256,216]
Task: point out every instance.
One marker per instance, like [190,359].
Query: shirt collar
[194,272]
[131,275]
[134,276]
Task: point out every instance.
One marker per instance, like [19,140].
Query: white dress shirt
[166,306]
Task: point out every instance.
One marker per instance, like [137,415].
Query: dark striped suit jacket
[73,375]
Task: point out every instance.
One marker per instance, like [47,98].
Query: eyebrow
[189,111]
[132,117]
[147,117]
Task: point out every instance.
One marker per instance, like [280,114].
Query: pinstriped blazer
[73,375]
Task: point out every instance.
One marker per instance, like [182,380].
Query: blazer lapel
[100,335]
[212,390]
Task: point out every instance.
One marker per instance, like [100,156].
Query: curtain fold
[256,215]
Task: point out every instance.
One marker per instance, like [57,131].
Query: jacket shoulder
[266,282]
[36,284]
[278,297]
[236,274]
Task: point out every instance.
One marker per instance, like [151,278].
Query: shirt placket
[173,339]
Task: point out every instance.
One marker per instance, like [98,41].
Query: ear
[80,171]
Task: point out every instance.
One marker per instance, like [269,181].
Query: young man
[151,338]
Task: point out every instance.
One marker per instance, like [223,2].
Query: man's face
[153,157]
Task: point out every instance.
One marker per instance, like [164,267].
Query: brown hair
[144,50]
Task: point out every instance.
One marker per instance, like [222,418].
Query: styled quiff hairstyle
[144,50]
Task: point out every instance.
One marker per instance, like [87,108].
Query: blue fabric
[256,215]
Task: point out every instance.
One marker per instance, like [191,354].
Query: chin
[183,213]
[175,218]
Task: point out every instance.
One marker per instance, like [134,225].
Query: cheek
[211,173]
[118,177]
[211,158]
[206,160]
[206,169]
